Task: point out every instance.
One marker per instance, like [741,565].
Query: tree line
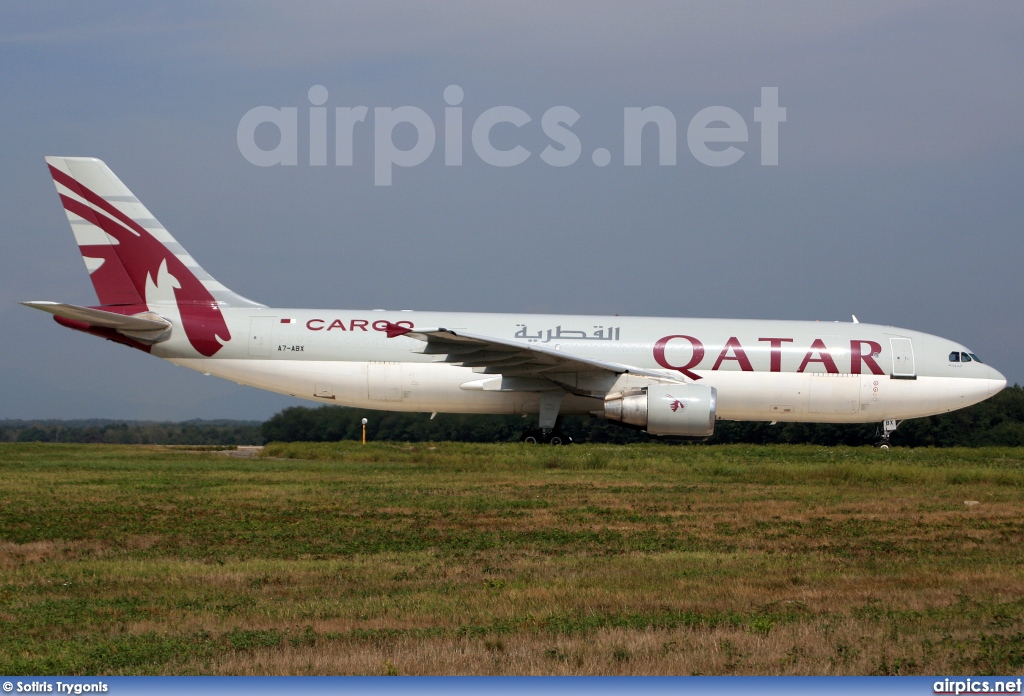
[998,421]
[115,432]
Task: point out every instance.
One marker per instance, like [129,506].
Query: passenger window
[976,358]
[954,356]
[964,357]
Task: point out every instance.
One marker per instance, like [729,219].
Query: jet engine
[682,410]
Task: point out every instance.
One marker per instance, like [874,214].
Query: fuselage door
[260,336]
[902,358]
[384,381]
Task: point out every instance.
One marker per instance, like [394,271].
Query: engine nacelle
[684,410]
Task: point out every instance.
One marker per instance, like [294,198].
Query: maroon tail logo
[121,279]
[676,405]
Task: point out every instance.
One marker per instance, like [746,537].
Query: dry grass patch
[506,559]
[839,647]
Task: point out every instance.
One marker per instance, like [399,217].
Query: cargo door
[833,394]
[384,381]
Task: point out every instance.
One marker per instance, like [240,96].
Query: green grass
[509,559]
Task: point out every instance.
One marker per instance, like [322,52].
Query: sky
[897,195]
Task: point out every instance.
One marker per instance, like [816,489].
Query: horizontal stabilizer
[146,327]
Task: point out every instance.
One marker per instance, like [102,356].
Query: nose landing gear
[888,428]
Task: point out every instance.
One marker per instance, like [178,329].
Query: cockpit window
[964,357]
[976,358]
[954,356]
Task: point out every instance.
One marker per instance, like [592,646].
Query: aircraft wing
[501,356]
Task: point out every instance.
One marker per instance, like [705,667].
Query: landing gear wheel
[550,435]
[885,432]
[533,437]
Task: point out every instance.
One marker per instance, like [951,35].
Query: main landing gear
[888,428]
[555,436]
[550,430]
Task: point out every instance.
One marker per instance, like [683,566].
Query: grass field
[509,559]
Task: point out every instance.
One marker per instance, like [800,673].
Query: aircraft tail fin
[131,258]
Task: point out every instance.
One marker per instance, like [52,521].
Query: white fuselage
[763,370]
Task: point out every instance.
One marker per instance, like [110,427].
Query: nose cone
[998,382]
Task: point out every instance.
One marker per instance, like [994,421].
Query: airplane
[666,376]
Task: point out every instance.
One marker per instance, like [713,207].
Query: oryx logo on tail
[135,265]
